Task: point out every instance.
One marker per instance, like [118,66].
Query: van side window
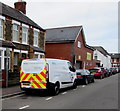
[71,68]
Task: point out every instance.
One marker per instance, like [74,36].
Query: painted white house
[102,55]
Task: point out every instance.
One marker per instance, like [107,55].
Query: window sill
[24,43]
[16,41]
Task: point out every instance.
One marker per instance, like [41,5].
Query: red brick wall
[82,52]
[59,51]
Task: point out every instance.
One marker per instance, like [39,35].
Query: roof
[37,49]
[101,49]
[17,15]
[62,34]
[115,55]
[7,44]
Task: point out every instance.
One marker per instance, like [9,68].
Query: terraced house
[20,38]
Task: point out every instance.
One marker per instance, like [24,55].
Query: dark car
[113,70]
[98,72]
[84,76]
[106,72]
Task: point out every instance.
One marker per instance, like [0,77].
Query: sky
[99,18]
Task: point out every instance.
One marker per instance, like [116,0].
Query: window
[0,60]
[24,35]
[15,32]
[1,29]
[115,60]
[95,57]
[16,58]
[79,44]
[6,65]
[36,38]
[36,56]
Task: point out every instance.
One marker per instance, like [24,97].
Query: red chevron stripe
[44,75]
[21,74]
[44,84]
[25,76]
[37,84]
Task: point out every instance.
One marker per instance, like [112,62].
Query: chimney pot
[20,6]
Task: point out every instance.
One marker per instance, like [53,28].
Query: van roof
[46,59]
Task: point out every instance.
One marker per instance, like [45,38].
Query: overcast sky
[99,18]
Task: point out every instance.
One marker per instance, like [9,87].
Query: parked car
[106,72]
[113,70]
[117,69]
[84,76]
[110,72]
[98,72]
[47,74]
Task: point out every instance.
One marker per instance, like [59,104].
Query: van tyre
[54,89]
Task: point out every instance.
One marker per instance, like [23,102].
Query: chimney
[20,6]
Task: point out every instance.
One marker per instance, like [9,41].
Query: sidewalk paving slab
[11,91]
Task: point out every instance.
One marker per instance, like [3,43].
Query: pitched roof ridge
[64,27]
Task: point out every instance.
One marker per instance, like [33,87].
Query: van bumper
[48,86]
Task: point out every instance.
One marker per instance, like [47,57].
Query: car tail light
[78,76]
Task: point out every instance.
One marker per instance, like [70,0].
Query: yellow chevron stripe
[42,85]
[28,77]
[20,71]
[34,85]
[39,83]
[44,79]
[22,76]
[44,71]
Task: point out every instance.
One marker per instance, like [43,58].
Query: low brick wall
[13,78]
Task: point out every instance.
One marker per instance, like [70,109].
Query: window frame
[1,26]
[36,37]
[79,44]
[26,33]
[16,31]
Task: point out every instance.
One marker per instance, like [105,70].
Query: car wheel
[101,77]
[93,80]
[86,81]
[74,85]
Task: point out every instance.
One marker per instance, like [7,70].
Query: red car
[98,72]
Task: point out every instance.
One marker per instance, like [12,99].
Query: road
[103,94]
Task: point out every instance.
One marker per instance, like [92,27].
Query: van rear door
[33,73]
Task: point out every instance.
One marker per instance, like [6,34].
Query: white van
[50,74]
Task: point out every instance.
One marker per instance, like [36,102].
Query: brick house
[20,38]
[69,43]
[115,59]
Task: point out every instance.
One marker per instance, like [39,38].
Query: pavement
[11,91]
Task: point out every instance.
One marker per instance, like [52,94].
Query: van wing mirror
[72,69]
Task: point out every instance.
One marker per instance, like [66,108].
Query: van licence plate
[26,84]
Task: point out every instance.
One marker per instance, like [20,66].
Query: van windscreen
[32,66]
